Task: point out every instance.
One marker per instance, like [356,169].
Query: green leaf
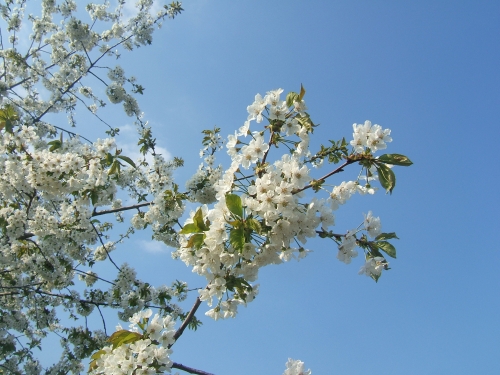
[395,159]
[233,203]
[198,220]
[97,354]
[386,236]
[237,238]
[196,241]
[386,177]
[254,224]
[127,160]
[387,248]
[291,98]
[8,116]
[115,168]
[190,228]
[94,197]
[124,337]
[95,357]
[302,92]
[54,145]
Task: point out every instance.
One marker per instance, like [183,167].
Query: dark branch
[104,212]
[188,319]
[190,369]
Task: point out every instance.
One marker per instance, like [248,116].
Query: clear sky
[429,71]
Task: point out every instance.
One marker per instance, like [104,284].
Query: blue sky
[428,70]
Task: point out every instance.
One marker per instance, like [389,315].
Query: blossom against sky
[429,72]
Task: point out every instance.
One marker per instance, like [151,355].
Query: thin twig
[104,212]
[339,169]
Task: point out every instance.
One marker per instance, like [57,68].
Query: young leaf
[198,220]
[395,159]
[196,241]
[255,225]
[126,159]
[291,97]
[54,145]
[387,248]
[233,203]
[387,177]
[302,92]
[237,238]
[386,236]
[190,228]
[115,168]
[124,337]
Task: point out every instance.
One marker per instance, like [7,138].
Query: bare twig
[104,212]
[190,369]
[188,319]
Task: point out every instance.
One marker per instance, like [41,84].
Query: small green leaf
[233,203]
[94,197]
[8,116]
[95,357]
[124,337]
[291,98]
[387,248]
[237,238]
[198,220]
[395,159]
[386,236]
[254,224]
[126,159]
[386,177]
[190,228]
[302,92]
[115,168]
[97,354]
[54,145]
[196,241]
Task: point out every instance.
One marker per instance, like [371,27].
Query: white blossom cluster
[148,354]
[54,183]
[296,367]
[372,136]
[276,219]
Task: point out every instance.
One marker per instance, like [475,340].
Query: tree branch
[188,319]
[339,169]
[190,369]
[104,212]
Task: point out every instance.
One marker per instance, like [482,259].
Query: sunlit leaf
[387,248]
[395,159]
[386,177]
[233,203]
[190,228]
[124,337]
[127,160]
[237,238]
[302,92]
[386,236]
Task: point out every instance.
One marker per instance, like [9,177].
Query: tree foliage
[60,197]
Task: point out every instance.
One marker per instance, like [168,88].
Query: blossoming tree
[60,195]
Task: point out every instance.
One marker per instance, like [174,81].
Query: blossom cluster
[143,349]
[264,217]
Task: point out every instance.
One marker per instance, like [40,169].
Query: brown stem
[104,212]
[190,369]
[339,169]
[188,319]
